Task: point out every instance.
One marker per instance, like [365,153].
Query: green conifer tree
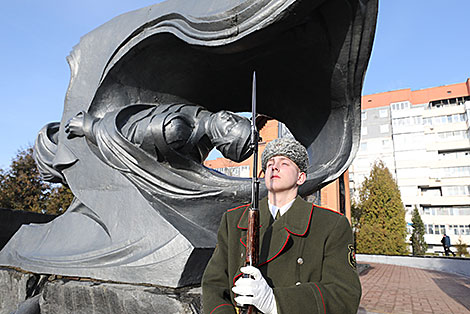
[418,243]
[21,187]
[60,198]
[356,213]
[382,225]
[461,248]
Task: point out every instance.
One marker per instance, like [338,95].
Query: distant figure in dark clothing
[446,244]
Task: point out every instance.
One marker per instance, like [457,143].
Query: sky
[418,44]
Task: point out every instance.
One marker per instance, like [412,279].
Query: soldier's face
[282,174]
[225,121]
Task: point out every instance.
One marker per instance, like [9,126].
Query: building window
[363,146]
[384,128]
[452,136]
[430,229]
[462,229]
[454,229]
[364,115]
[409,228]
[451,172]
[364,130]
[284,131]
[457,190]
[416,120]
[443,229]
[408,209]
[448,102]
[452,118]
[383,113]
[400,105]
[435,191]
[446,211]
[453,154]
[241,171]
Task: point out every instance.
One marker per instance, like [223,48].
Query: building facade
[423,138]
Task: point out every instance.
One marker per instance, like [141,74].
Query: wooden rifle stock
[252,246]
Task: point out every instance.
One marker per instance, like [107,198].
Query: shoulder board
[331,210]
[242,206]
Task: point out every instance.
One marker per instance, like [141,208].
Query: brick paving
[406,290]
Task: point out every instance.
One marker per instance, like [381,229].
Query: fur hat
[289,148]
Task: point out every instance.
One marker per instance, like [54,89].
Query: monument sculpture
[152,92]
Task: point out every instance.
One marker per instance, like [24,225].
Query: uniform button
[297,283]
[300,261]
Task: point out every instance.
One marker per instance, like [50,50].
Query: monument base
[26,293]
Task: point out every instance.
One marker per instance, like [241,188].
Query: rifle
[252,236]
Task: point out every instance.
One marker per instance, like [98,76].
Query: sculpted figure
[176,134]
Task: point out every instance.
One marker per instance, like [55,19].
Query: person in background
[446,244]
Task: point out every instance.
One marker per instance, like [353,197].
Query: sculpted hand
[255,291]
[74,126]
[79,125]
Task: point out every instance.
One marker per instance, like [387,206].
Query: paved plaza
[407,290]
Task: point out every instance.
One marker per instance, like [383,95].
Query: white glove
[255,291]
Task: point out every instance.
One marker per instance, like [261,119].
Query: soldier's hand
[74,126]
[255,291]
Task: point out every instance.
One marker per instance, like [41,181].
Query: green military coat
[306,256]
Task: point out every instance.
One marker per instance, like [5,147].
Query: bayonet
[252,237]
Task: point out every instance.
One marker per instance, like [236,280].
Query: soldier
[166,132]
[306,263]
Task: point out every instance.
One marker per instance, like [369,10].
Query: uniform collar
[298,217]
[296,220]
[282,210]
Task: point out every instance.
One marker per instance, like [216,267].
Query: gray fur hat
[289,148]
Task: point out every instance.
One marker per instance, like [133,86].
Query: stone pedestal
[52,295]
[13,289]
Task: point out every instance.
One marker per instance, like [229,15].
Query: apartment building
[422,136]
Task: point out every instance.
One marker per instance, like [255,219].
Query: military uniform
[306,256]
